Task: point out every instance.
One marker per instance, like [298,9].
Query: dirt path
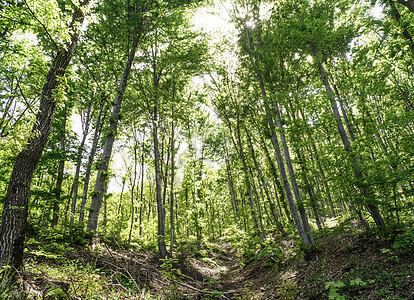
[223,273]
[229,275]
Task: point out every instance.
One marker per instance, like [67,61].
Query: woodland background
[290,118]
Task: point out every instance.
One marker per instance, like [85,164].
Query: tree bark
[281,200]
[242,158]
[233,194]
[293,181]
[91,157]
[172,187]
[261,177]
[303,232]
[303,229]
[61,169]
[142,188]
[133,183]
[14,217]
[347,145]
[410,5]
[110,139]
[259,208]
[162,248]
[78,166]
[407,3]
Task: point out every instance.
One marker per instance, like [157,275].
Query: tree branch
[44,27]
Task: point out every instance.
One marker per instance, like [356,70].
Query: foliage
[287,290]
[169,271]
[334,287]
[172,274]
[404,242]
[85,281]
[271,255]
[5,280]
[391,256]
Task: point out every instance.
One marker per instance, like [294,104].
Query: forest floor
[349,264]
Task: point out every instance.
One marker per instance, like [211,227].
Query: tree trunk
[96,136]
[105,198]
[14,216]
[61,169]
[162,248]
[172,187]
[409,4]
[276,183]
[134,180]
[259,208]
[240,153]
[347,145]
[261,177]
[291,202]
[121,196]
[142,188]
[78,166]
[293,181]
[110,139]
[233,194]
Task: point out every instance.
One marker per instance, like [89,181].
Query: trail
[224,273]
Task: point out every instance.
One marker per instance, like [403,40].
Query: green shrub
[271,255]
[288,290]
[404,242]
[185,250]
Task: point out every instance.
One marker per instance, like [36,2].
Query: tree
[14,217]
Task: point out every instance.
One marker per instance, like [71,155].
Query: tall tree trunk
[110,139]
[293,181]
[142,188]
[303,233]
[303,229]
[198,197]
[14,216]
[396,14]
[165,176]
[105,198]
[261,177]
[61,169]
[233,194]
[259,208]
[134,180]
[407,3]
[308,186]
[281,200]
[79,155]
[96,135]
[172,187]
[366,191]
[162,248]
[239,147]
[121,197]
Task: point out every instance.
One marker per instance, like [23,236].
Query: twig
[196,289]
[129,274]
[73,284]
[24,97]
[118,285]
[191,287]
